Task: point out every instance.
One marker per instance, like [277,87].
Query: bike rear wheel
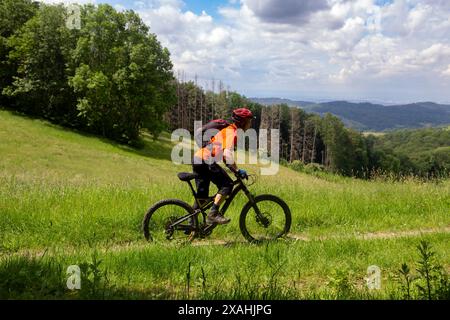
[269,218]
[167,220]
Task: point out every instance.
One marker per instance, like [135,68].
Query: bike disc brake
[265,219]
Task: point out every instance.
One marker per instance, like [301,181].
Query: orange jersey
[224,139]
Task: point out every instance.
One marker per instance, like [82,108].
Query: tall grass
[312,270]
[67,199]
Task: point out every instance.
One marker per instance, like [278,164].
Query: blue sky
[374,50]
[209,6]
[383,2]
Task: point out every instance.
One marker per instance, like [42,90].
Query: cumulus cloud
[298,49]
[287,11]
[198,45]
[447,71]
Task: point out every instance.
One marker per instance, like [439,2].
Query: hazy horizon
[330,99]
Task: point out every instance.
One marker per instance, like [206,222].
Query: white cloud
[196,43]
[286,12]
[447,71]
[120,7]
[348,49]
[218,37]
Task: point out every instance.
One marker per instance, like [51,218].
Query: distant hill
[273,101]
[368,116]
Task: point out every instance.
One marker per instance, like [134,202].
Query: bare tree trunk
[304,142]
[292,136]
[313,151]
[178,100]
[275,122]
[196,100]
[265,123]
[296,137]
[213,106]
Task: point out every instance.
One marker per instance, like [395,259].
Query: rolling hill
[367,116]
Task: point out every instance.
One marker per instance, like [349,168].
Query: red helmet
[241,114]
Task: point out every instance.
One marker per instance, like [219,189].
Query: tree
[338,145]
[41,49]
[122,76]
[358,157]
[13,15]
[295,135]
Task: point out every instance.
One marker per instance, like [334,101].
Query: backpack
[217,124]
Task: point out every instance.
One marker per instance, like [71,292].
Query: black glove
[242,174]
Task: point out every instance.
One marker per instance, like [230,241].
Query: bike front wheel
[170,219]
[267,218]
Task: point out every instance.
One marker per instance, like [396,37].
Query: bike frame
[238,185]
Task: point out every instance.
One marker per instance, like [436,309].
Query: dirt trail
[141,245]
[358,236]
[377,235]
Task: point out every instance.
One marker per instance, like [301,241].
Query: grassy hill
[69,198]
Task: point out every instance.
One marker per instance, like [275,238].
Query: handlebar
[251,179]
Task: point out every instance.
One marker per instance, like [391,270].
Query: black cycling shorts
[211,172]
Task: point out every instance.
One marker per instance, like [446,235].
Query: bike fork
[251,198]
[259,216]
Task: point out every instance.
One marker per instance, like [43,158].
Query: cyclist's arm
[228,143]
[228,157]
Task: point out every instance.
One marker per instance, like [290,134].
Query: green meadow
[69,198]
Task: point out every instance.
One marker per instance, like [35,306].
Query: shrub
[431,280]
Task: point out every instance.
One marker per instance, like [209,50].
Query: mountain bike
[264,217]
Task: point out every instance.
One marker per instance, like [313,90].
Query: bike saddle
[186,176]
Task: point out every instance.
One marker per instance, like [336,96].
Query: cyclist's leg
[221,179]
[224,183]
[202,182]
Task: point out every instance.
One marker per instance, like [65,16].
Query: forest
[112,77]
[308,140]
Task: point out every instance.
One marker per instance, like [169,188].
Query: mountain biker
[221,147]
